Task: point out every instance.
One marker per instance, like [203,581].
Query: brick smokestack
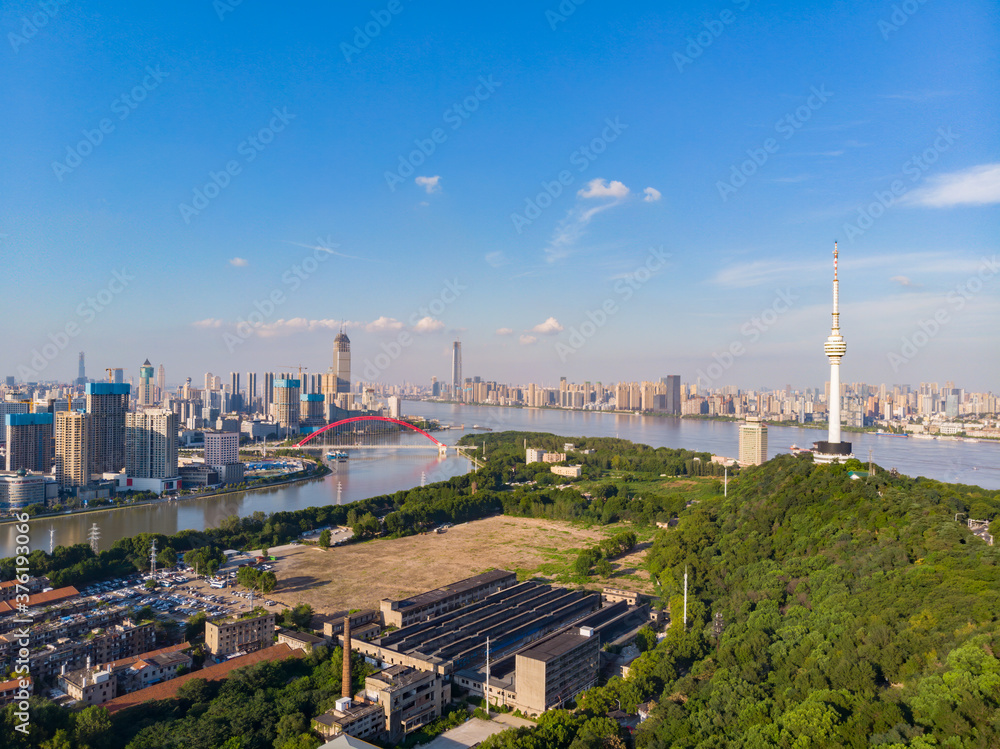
[345,689]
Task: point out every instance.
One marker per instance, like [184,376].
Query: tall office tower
[456,371]
[835,347]
[235,401]
[72,455]
[147,389]
[342,361]
[81,376]
[151,444]
[753,442]
[435,387]
[118,375]
[673,399]
[29,442]
[251,392]
[107,404]
[268,394]
[209,379]
[161,383]
[286,405]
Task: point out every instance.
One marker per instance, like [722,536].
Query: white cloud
[652,195]
[902,281]
[505,331]
[601,188]
[208,322]
[431,184]
[549,327]
[979,185]
[528,340]
[239,262]
[428,325]
[496,259]
[383,324]
[570,229]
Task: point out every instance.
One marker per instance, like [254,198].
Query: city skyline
[601,216]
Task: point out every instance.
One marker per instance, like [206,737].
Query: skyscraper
[251,392]
[286,405]
[342,361]
[268,394]
[29,441]
[107,404]
[151,444]
[161,383]
[72,453]
[835,347]
[673,399]
[235,400]
[81,376]
[147,393]
[456,370]
[753,442]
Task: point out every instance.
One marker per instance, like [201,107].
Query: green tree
[324,539]
[91,727]
[167,557]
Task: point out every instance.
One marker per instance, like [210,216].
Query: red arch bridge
[372,432]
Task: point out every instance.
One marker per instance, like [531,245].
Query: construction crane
[293,366]
[31,404]
[111,372]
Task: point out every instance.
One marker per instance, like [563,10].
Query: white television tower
[835,347]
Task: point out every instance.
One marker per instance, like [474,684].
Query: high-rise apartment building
[235,400]
[251,392]
[72,453]
[107,404]
[456,371]
[753,442]
[29,441]
[673,394]
[151,444]
[267,397]
[286,405]
[342,361]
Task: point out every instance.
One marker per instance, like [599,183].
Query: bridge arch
[355,419]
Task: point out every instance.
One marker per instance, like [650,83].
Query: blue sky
[702,159]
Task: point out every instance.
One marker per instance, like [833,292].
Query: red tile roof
[41,599]
[168,689]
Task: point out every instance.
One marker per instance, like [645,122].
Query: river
[369,473]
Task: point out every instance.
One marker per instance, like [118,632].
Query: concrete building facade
[248,633]
[29,441]
[753,442]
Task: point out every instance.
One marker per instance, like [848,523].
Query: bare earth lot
[359,576]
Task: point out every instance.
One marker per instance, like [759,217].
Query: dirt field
[359,576]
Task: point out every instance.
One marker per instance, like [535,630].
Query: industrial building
[250,632]
[535,645]
[450,597]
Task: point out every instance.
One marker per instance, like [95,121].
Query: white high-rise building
[753,442]
[151,444]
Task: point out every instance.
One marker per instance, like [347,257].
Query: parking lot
[180,594]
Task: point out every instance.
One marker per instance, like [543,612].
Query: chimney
[345,689]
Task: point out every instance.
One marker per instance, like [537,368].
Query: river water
[369,473]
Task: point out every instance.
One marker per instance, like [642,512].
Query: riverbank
[322,472]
